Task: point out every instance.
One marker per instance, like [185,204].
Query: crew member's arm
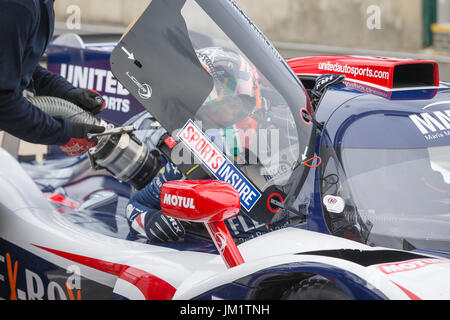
[17,115]
[47,83]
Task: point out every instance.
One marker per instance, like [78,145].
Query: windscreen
[400,198]
[223,92]
[391,176]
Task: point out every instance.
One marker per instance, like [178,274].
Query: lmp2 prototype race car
[359,170]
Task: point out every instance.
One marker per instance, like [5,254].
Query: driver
[235,82]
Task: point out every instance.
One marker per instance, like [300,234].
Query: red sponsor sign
[410,265]
[378,71]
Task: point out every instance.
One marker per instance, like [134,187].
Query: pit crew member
[27,28]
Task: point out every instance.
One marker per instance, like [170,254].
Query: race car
[363,226]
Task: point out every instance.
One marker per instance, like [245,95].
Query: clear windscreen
[216,84]
[245,115]
[402,194]
[393,192]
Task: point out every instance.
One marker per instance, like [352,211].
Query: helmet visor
[226,112]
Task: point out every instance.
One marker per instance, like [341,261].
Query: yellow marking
[192,169]
[440,28]
[131,25]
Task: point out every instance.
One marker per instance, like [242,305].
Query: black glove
[81,130]
[161,228]
[88,100]
[79,143]
[322,83]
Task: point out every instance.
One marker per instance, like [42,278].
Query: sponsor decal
[178,201]
[145,91]
[175,224]
[26,276]
[219,165]
[334,204]
[276,172]
[404,266]
[100,80]
[433,125]
[257,31]
[355,72]
[170,142]
[221,241]
[24,283]
[368,89]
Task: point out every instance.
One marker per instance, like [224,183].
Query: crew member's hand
[79,142]
[89,100]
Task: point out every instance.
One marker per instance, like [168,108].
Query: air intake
[389,73]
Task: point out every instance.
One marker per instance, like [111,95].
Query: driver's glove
[322,83]
[161,228]
[89,100]
[153,224]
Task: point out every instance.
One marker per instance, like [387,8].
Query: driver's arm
[144,213]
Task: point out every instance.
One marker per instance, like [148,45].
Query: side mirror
[206,201]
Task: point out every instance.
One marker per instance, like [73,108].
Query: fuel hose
[60,107]
[123,155]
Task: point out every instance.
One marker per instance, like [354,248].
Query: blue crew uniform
[26,29]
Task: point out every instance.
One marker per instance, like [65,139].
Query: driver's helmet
[227,111]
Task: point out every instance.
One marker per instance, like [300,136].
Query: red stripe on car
[152,287]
